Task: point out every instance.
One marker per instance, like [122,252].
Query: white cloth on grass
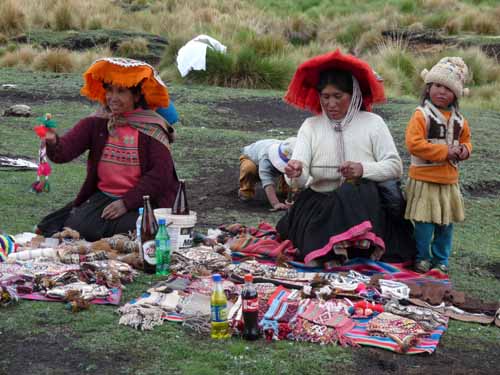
[192,56]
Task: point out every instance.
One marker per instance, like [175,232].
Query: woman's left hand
[114,210]
[351,169]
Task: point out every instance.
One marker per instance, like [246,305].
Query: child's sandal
[441,268]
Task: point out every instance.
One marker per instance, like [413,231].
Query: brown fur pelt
[67,233]
[319,281]
[282,261]
[108,278]
[101,245]
[75,301]
[133,260]
[44,282]
[122,244]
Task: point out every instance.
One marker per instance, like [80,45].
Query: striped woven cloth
[146,121]
[391,271]
[263,243]
[360,336]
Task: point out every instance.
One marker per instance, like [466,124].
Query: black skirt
[346,223]
[86,219]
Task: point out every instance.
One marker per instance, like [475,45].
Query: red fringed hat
[302,92]
[127,73]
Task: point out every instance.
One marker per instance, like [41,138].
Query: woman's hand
[280,206]
[50,136]
[293,169]
[351,169]
[114,210]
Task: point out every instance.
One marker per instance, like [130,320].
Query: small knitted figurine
[44,169]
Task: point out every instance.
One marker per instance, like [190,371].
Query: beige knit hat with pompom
[451,72]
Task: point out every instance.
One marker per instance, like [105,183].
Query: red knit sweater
[158,176]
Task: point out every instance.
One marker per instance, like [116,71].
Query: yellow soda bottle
[218,305]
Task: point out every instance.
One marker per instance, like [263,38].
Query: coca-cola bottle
[149,227]
[250,306]
[181,206]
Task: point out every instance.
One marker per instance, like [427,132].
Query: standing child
[437,137]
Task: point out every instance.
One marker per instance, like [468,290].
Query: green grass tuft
[57,61]
[64,18]
[12,18]
[132,47]
[243,69]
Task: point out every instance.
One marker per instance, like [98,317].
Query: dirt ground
[37,354]
[57,352]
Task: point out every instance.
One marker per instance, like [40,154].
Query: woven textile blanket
[427,344]
[263,244]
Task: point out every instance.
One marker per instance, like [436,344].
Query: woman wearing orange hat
[129,154]
[343,154]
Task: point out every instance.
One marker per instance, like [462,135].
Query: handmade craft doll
[44,169]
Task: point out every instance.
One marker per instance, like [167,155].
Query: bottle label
[219,313]
[250,305]
[149,252]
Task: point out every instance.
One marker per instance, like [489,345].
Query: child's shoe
[244,198]
[441,267]
[422,266]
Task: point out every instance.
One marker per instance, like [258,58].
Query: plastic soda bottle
[250,304]
[138,226]
[218,305]
[162,242]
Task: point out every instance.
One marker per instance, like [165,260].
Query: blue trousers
[433,242]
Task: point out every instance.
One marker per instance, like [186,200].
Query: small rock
[223,110]
[18,110]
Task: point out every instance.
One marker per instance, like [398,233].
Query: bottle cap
[141,210]
[216,277]
[248,277]
[145,197]
[161,222]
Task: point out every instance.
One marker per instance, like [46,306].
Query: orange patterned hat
[127,73]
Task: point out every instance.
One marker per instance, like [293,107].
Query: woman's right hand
[50,136]
[293,169]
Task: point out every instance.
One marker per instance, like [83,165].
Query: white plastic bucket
[180,227]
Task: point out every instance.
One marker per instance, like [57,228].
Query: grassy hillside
[266,40]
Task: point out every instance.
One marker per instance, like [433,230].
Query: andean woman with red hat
[129,154]
[342,154]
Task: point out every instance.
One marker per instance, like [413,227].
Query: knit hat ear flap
[423,73]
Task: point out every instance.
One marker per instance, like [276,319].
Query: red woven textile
[302,91]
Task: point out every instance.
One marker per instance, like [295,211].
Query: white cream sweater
[366,140]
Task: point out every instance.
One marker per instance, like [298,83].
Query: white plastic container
[180,227]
